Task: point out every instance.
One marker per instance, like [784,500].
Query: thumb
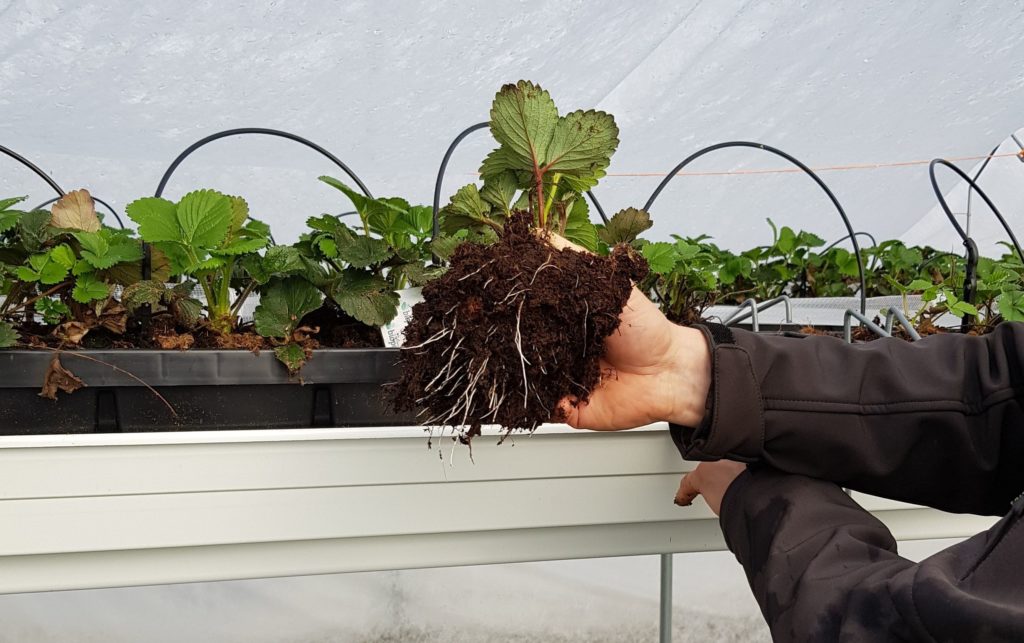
[689,489]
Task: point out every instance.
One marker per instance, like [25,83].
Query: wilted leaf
[75,211]
[283,304]
[58,378]
[74,331]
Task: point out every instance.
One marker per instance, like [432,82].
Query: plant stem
[29,302]
[538,178]
[551,197]
[249,287]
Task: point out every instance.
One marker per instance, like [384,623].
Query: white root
[467,276]
[547,264]
[438,336]
[522,358]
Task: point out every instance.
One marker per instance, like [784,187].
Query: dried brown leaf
[75,211]
[59,378]
[74,331]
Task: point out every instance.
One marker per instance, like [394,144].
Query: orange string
[827,168]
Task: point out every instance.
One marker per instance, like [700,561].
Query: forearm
[935,422]
[823,569]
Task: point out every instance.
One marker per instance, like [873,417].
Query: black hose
[808,171]
[32,166]
[147,255]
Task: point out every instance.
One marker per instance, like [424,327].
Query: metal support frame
[895,314]
[665,605]
[754,309]
[848,318]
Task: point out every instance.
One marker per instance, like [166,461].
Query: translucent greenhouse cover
[105,95]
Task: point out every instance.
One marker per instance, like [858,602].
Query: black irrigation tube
[95,199]
[147,258]
[808,171]
[444,166]
[971,270]
[53,184]
[35,168]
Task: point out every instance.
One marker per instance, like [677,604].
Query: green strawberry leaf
[292,356]
[204,217]
[660,256]
[283,304]
[88,288]
[625,226]
[365,296]
[8,336]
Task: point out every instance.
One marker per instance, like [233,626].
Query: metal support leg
[665,621]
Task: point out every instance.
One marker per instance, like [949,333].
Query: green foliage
[625,226]
[54,262]
[8,336]
[544,162]
[176,299]
[210,238]
[283,304]
[364,267]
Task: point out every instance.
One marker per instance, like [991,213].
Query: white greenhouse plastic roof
[104,95]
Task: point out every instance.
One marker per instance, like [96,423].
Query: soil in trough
[510,330]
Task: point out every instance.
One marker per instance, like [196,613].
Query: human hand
[654,371]
[711,480]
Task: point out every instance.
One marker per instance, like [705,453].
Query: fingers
[558,242]
[688,489]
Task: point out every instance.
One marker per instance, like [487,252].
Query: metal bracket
[754,309]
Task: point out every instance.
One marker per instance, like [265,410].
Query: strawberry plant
[544,163]
[62,265]
[206,237]
[389,251]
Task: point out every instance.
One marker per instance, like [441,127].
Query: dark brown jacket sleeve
[938,422]
[823,569]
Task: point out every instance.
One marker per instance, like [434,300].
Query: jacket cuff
[733,426]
